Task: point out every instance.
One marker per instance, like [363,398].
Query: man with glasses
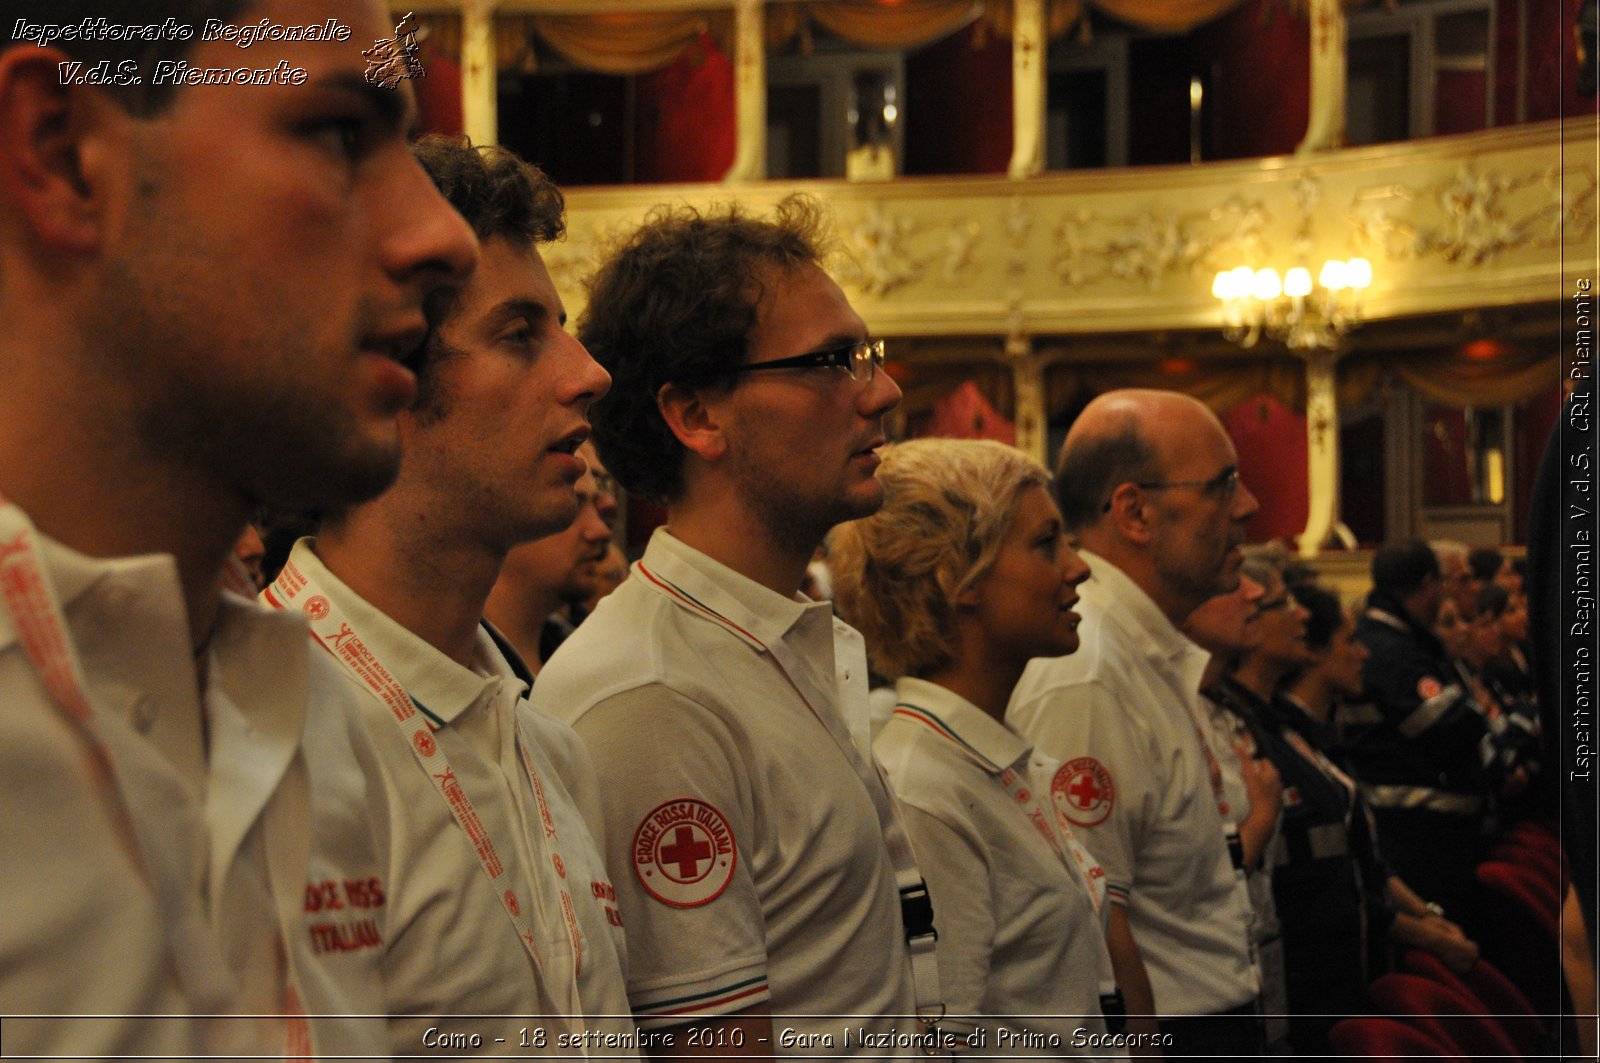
[767,885]
[1149,482]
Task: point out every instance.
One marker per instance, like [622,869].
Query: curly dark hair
[676,304]
[494,189]
[500,196]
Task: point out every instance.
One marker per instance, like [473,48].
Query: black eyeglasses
[1268,605]
[1224,485]
[861,360]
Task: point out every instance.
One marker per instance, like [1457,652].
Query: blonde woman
[956,583]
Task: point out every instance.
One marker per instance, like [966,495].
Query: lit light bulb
[1359,273]
[1267,284]
[1335,275]
[1297,283]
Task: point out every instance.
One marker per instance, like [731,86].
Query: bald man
[1149,483]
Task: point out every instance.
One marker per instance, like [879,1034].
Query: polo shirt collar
[442,686]
[996,744]
[758,614]
[1124,603]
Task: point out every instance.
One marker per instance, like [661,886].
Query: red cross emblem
[316,607]
[684,853]
[1083,792]
[687,853]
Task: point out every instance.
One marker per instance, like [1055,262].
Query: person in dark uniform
[1338,897]
[1316,886]
[1417,741]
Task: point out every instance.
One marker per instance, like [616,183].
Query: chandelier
[1290,309]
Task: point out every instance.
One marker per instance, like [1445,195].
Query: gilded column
[480,116]
[750,93]
[1322,455]
[1325,125]
[1027,385]
[1028,43]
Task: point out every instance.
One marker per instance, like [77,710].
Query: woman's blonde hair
[948,505]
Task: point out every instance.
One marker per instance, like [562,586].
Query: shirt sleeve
[1108,783]
[958,877]
[677,812]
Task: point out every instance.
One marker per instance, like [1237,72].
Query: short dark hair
[1091,468]
[501,196]
[1325,611]
[146,99]
[1485,562]
[495,190]
[676,304]
[1492,600]
[1400,568]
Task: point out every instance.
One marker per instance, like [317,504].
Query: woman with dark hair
[1336,898]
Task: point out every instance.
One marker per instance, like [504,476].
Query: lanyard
[42,632]
[1016,786]
[334,633]
[916,911]
[1230,828]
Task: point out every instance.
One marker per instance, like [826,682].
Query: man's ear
[57,143]
[693,420]
[1127,513]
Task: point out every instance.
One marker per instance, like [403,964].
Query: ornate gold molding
[1450,223]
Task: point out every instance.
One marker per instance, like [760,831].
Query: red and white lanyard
[1230,826]
[1026,801]
[333,632]
[912,888]
[42,632]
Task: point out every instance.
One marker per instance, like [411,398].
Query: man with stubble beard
[207,292]
[499,903]
[765,875]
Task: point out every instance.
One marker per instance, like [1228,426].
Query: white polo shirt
[450,950]
[234,823]
[750,860]
[1022,949]
[1222,729]
[1120,716]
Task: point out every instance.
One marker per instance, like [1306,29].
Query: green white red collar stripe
[917,714]
[693,604]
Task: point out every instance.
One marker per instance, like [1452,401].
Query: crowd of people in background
[1130,786]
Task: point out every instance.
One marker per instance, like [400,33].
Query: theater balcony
[1037,200]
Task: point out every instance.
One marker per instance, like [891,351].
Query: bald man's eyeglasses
[1224,485]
